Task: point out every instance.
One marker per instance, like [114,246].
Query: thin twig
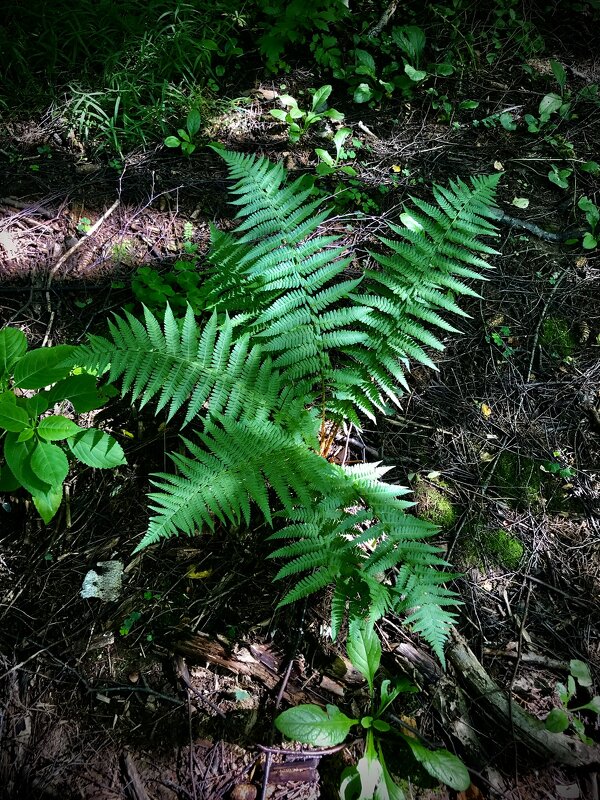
[79,242]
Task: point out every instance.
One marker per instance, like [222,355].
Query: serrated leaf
[8,482]
[44,366]
[81,391]
[47,504]
[364,650]
[96,449]
[57,427]
[49,463]
[37,404]
[311,724]
[441,764]
[557,721]
[13,345]
[580,671]
[18,457]
[12,417]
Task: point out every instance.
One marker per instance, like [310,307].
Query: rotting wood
[134,786]
[242,662]
[490,705]
[473,706]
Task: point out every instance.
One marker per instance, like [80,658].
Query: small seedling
[501,339]
[84,224]
[311,724]
[592,215]
[561,718]
[328,165]
[560,177]
[299,121]
[185,136]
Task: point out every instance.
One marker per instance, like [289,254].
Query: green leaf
[12,417]
[364,650]
[44,366]
[593,705]
[580,671]
[590,166]
[363,93]
[13,344]
[18,456]
[49,463]
[557,721]
[193,122]
[320,97]
[8,482]
[589,242]
[311,724]
[324,156]
[48,503]
[172,141]
[468,105]
[549,104]
[393,791]
[25,435]
[521,202]
[279,114]
[559,73]
[97,449]
[415,75]
[37,404]
[80,390]
[441,764]
[57,427]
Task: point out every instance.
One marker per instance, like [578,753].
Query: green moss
[433,505]
[496,547]
[503,549]
[556,338]
[518,480]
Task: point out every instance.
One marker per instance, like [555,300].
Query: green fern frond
[207,368]
[234,463]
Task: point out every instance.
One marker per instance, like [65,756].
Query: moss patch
[433,505]
[518,480]
[496,547]
[556,338]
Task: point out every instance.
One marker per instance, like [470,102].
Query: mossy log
[469,700]
[493,707]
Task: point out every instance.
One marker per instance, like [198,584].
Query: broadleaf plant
[37,443]
[370,778]
[282,349]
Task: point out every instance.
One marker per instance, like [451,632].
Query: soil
[170,691]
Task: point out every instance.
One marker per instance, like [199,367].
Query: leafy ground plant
[33,457]
[185,136]
[562,718]
[284,349]
[298,120]
[370,778]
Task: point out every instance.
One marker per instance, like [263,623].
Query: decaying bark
[473,707]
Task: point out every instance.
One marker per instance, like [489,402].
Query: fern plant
[285,348]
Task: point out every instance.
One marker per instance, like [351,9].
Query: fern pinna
[285,342]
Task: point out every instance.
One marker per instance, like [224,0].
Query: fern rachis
[286,342]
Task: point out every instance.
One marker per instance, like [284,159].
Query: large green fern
[286,342]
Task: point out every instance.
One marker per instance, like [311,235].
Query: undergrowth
[284,351]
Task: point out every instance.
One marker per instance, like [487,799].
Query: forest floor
[170,691]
